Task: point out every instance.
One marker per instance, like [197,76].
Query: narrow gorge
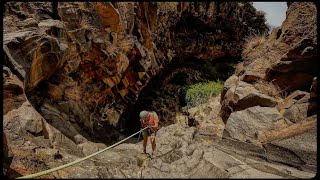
[77,74]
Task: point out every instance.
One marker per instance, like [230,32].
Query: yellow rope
[76,161]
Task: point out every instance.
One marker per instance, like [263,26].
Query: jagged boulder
[297,106]
[242,95]
[245,125]
[207,120]
[229,83]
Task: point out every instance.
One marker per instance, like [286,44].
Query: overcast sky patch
[275,11]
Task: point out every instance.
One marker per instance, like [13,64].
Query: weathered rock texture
[91,62]
[72,69]
[288,57]
[34,145]
[254,102]
[216,29]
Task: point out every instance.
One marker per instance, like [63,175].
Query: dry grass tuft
[268,88]
[252,42]
[250,47]
[240,69]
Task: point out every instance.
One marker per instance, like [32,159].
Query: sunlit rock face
[87,62]
[72,69]
[271,100]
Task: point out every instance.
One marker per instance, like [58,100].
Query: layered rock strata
[87,62]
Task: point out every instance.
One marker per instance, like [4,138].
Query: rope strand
[76,161]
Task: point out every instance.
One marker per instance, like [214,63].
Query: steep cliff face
[288,57]
[272,97]
[216,29]
[286,61]
[91,62]
[72,69]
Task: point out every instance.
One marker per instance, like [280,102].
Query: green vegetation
[201,92]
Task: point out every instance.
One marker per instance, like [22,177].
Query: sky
[275,11]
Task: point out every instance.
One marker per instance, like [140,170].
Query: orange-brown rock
[12,91]
[288,56]
[92,55]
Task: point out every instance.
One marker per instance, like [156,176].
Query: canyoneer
[150,119]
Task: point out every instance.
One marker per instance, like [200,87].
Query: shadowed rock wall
[93,60]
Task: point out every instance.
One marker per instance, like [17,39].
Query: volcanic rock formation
[72,69]
[88,65]
[271,99]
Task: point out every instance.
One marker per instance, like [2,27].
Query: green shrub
[201,92]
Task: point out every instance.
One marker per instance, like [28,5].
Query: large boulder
[297,106]
[231,82]
[27,132]
[296,141]
[207,120]
[306,153]
[247,96]
[243,95]
[245,125]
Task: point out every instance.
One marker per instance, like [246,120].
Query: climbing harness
[149,126]
[76,161]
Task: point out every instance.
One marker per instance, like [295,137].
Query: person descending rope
[150,119]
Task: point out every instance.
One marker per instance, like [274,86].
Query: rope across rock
[76,161]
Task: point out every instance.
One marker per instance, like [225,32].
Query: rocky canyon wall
[272,98]
[84,63]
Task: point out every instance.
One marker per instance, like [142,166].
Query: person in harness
[150,119]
